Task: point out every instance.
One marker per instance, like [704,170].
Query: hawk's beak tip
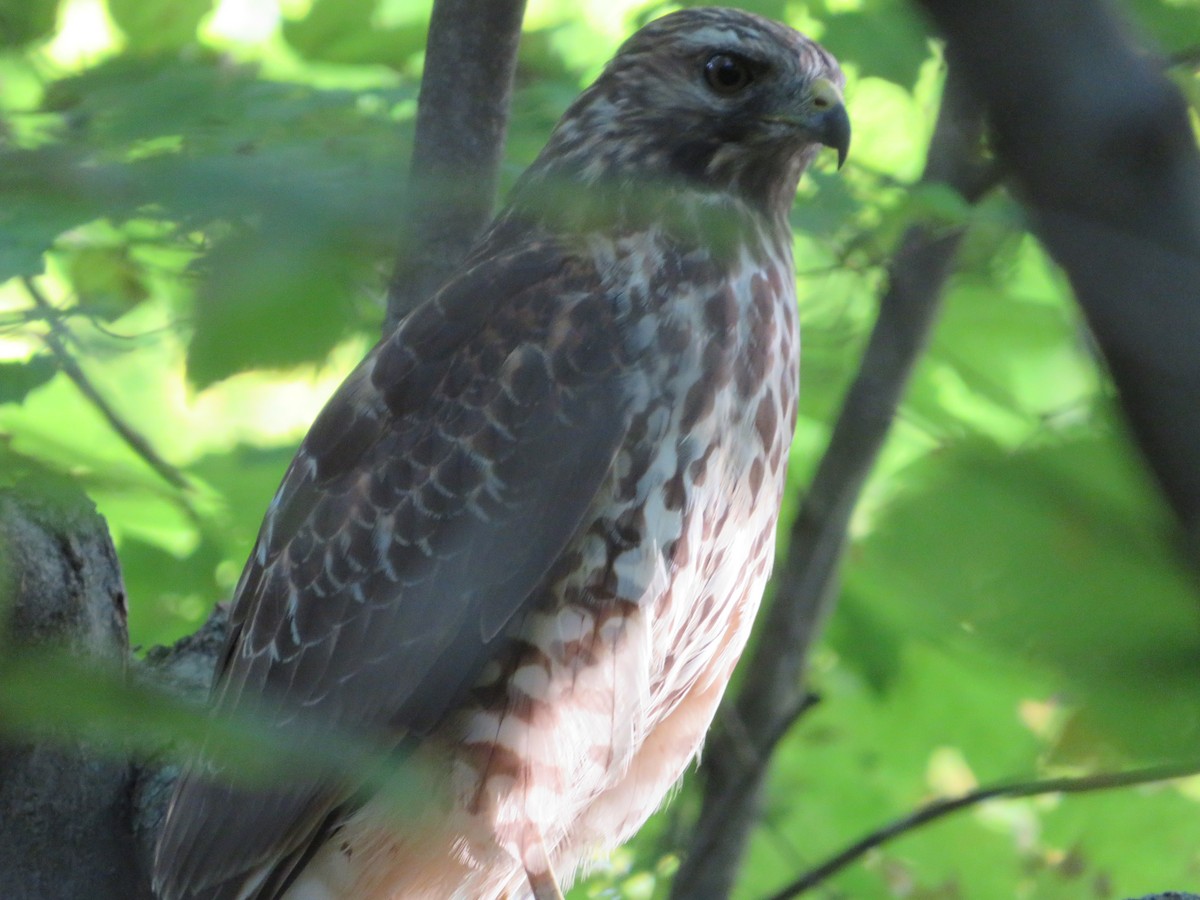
[834,127]
[836,132]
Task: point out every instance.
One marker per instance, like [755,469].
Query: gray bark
[65,811]
[461,123]
[79,819]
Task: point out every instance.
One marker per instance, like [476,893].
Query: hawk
[524,542]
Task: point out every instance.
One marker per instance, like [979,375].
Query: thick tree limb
[1104,781]
[1099,145]
[462,117]
[771,693]
[64,804]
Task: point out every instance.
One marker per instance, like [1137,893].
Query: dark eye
[727,73]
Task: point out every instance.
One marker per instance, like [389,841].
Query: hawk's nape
[525,541]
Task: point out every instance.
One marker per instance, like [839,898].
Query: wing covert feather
[428,501]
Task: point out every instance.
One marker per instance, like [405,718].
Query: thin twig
[54,339]
[940,808]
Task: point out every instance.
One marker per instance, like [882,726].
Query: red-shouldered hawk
[524,542]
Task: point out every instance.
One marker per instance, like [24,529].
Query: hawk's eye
[727,73]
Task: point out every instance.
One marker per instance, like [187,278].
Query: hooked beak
[829,122]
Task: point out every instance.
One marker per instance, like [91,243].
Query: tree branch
[64,803]
[771,692]
[462,118]
[1099,145]
[940,808]
[137,442]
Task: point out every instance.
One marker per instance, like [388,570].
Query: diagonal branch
[940,808]
[772,692]
[54,339]
[1101,153]
[470,59]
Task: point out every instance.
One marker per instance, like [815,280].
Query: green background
[209,194]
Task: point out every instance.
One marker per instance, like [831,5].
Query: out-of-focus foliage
[206,194]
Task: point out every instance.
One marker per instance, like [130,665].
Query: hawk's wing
[426,504]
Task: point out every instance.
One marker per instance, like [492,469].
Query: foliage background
[206,194]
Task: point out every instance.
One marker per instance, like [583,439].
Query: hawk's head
[720,98]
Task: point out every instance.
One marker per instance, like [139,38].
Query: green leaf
[869,644]
[344,31]
[1134,842]
[19,378]
[1174,24]
[888,40]
[169,594]
[1054,555]
[25,21]
[109,283]
[267,302]
[47,191]
[859,760]
[247,478]
[159,26]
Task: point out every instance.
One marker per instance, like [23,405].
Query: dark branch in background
[939,808]
[55,340]
[1103,156]
[462,117]
[772,694]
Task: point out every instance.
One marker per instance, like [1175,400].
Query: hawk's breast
[653,600]
[611,679]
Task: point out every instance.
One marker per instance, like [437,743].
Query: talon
[539,871]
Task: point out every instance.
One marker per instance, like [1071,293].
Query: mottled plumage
[525,541]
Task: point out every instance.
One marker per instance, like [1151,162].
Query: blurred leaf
[1174,24]
[772,9]
[42,690]
[267,301]
[211,183]
[887,40]
[158,26]
[19,378]
[1058,559]
[344,31]
[168,594]
[106,279]
[45,192]
[24,21]
[1117,840]
[247,477]
[859,760]
[870,645]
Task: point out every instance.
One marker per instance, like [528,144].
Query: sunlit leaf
[108,281]
[344,31]
[888,40]
[153,27]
